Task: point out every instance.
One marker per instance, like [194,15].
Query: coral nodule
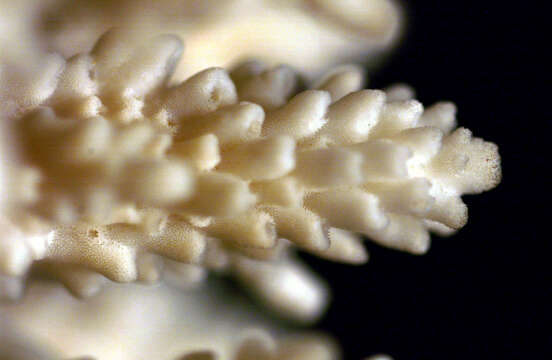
[110,172]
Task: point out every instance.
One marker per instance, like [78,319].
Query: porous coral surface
[114,173]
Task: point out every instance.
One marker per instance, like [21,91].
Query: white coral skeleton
[111,172]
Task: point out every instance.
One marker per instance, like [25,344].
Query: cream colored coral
[380,357]
[216,171]
[18,39]
[129,322]
[308,34]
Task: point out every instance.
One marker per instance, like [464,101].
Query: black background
[481,293]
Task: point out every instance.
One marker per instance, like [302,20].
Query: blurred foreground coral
[310,35]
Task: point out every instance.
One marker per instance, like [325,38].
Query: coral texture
[111,170]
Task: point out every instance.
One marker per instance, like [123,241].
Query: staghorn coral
[113,173]
[219,33]
[112,169]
